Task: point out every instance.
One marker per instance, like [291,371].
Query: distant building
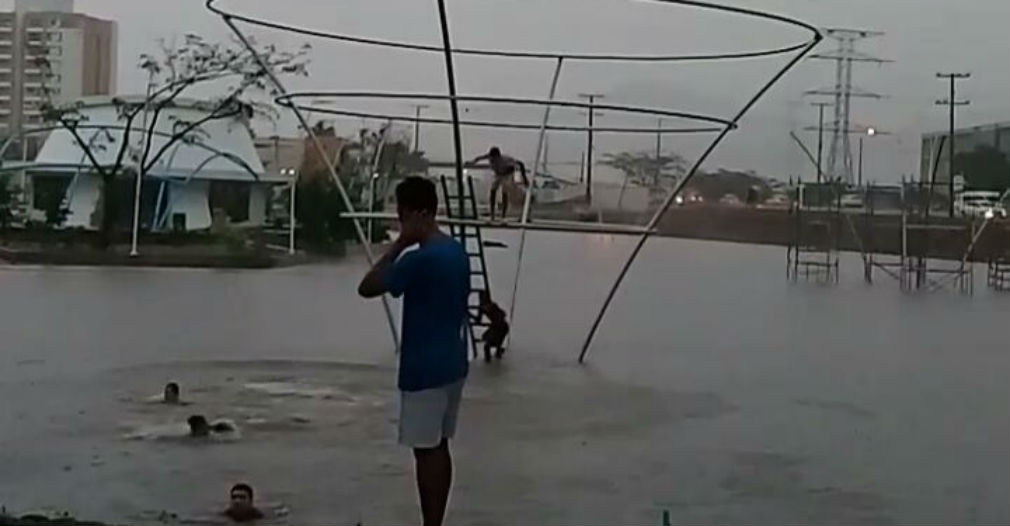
[189,188]
[81,51]
[965,140]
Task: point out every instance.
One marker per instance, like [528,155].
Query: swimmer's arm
[373,285]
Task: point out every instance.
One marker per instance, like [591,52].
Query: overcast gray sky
[922,37]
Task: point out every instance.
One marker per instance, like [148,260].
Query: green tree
[984,168]
[236,72]
[647,169]
[319,204]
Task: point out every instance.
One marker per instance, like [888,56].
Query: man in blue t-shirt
[434,281]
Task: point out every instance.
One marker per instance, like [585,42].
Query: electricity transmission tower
[839,165]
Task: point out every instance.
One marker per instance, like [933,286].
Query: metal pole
[524,220]
[820,137]
[680,186]
[373,175]
[952,150]
[659,147]
[371,204]
[952,104]
[417,125]
[589,149]
[457,140]
[292,221]
[592,97]
[330,165]
[860,185]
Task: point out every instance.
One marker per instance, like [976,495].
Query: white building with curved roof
[219,169]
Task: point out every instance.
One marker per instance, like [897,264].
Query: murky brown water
[716,391]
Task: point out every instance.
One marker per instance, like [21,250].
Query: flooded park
[715,392]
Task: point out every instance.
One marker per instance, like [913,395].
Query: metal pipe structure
[680,186]
[580,57]
[318,146]
[717,123]
[457,139]
[528,200]
[719,126]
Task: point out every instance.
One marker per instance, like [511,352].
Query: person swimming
[199,427]
[171,395]
[241,507]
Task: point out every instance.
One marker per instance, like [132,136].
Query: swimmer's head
[241,501]
[171,393]
[198,426]
[494,153]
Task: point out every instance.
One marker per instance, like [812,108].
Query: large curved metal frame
[800,50]
[581,57]
[289,99]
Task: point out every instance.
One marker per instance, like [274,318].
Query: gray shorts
[428,416]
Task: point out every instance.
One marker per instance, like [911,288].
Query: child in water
[494,336]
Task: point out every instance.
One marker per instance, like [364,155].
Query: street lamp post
[870,132]
[371,203]
[293,173]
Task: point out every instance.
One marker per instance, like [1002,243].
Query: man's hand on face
[411,229]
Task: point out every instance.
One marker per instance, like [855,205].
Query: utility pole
[417,125]
[592,98]
[839,165]
[820,137]
[952,103]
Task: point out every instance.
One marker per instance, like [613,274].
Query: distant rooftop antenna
[839,165]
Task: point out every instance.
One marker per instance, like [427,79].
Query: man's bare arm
[371,285]
[522,172]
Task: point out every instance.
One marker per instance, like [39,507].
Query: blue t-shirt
[434,281]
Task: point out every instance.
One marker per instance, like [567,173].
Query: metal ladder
[473,242]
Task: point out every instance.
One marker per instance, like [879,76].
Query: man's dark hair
[417,193]
[494,152]
[172,386]
[196,420]
[242,486]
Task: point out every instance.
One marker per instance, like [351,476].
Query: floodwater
[716,393]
